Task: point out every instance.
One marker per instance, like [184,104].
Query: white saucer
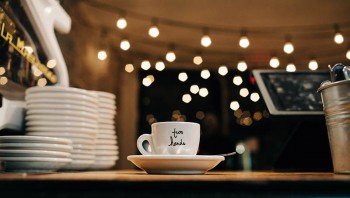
[62,129]
[66,135]
[37,146]
[34,139]
[61,101]
[61,96]
[62,112]
[175,164]
[103,94]
[62,107]
[58,118]
[33,153]
[61,123]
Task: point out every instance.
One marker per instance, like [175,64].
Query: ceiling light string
[102,54]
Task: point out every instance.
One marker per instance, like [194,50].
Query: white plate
[106,126]
[58,118]
[106,116]
[61,101]
[84,147]
[67,135]
[58,107]
[103,94]
[105,142]
[83,152]
[106,101]
[106,111]
[36,146]
[106,158]
[175,164]
[78,165]
[107,147]
[61,96]
[103,136]
[76,140]
[33,153]
[106,131]
[62,124]
[102,165]
[62,129]
[62,112]
[34,164]
[107,106]
[106,121]
[54,89]
[82,157]
[34,139]
[106,153]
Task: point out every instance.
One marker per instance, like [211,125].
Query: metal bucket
[336,106]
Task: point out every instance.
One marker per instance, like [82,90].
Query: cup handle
[140,140]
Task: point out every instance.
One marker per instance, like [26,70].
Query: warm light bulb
[186,98]
[3,80]
[203,92]
[51,63]
[102,55]
[146,81]
[3,70]
[170,56]
[244,42]
[254,97]
[348,54]
[206,41]
[274,62]
[291,67]
[288,48]
[237,80]
[242,66]
[42,82]
[244,92]
[125,45]
[234,105]
[194,89]
[205,74]
[313,65]
[153,31]
[160,66]
[121,23]
[145,65]
[197,60]
[129,68]
[183,76]
[223,70]
[338,38]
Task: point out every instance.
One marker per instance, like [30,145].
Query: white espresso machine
[27,43]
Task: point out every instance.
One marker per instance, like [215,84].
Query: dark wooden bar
[140,184]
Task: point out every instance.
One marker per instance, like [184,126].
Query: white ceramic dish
[58,118]
[106,101]
[106,116]
[83,152]
[67,135]
[61,101]
[54,89]
[84,147]
[34,164]
[175,164]
[107,147]
[107,106]
[106,131]
[61,129]
[34,139]
[33,153]
[106,158]
[61,96]
[62,123]
[102,165]
[106,136]
[61,107]
[107,95]
[106,121]
[76,165]
[106,111]
[82,157]
[105,142]
[63,112]
[106,126]
[106,153]
[36,146]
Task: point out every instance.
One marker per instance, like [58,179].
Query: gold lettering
[2,30]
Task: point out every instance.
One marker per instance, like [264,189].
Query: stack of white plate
[65,112]
[106,144]
[34,154]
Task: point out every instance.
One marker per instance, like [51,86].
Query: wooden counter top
[138,183]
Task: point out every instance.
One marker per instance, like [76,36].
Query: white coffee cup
[171,138]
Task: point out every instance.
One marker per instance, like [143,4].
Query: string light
[203,92]
[121,23]
[242,66]
[186,98]
[348,54]
[194,89]
[274,62]
[198,60]
[205,74]
[125,45]
[183,76]
[129,68]
[3,80]
[244,41]
[3,70]
[160,66]
[102,55]
[170,56]
[42,82]
[338,37]
[148,80]
[223,70]
[145,65]
[51,63]
[313,65]
[234,105]
[244,92]
[237,80]
[206,40]
[291,67]
[153,30]
[254,97]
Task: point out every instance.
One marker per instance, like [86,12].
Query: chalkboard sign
[291,93]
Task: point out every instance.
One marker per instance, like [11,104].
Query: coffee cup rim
[177,122]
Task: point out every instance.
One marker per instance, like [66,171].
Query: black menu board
[291,93]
